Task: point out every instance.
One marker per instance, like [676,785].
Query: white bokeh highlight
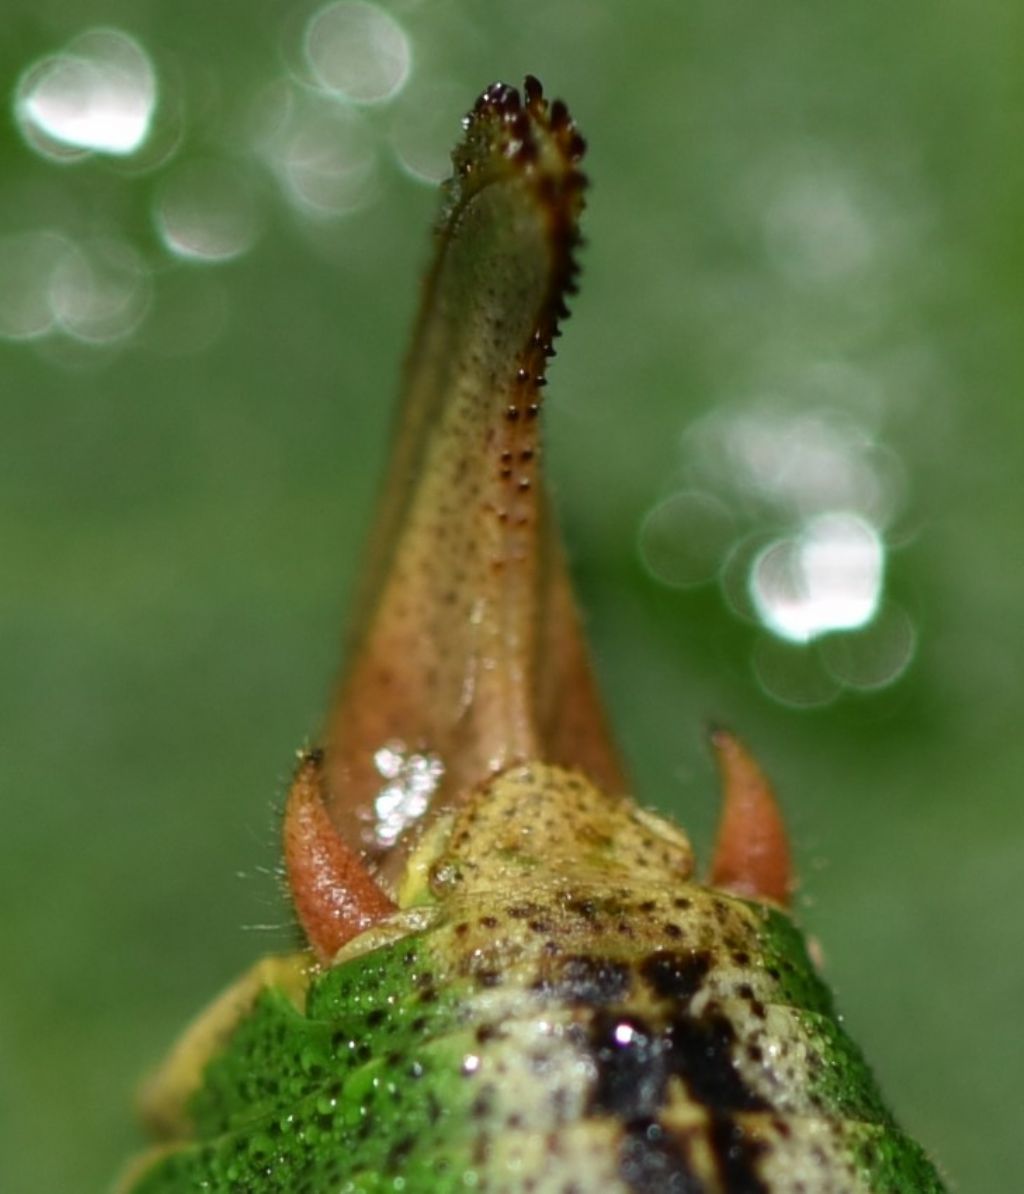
[98,95]
[322,153]
[801,461]
[818,229]
[358,51]
[828,577]
[876,656]
[29,262]
[423,126]
[100,291]
[683,540]
[206,212]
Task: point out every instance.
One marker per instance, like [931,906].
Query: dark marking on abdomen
[587,980]
[651,1162]
[735,1154]
[637,1057]
[633,1067]
[676,976]
[701,1051]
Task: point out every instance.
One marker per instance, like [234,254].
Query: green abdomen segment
[361,1086]
[585,1038]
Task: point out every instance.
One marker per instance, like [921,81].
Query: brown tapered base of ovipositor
[335,896]
[467,648]
[752,856]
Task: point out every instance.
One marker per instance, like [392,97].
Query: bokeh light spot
[684,539]
[800,461]
[424,126]
[828,577]
[875,656]
[322,153]
[358,51]
[100,291]
[793,675]
[98,95]
[206,212]
[29,260]
[816,228]
[734,577]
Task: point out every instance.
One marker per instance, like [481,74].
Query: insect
[513,979]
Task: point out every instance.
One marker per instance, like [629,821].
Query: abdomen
[569,1036]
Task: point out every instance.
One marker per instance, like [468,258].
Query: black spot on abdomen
[676,976]
[633,1067]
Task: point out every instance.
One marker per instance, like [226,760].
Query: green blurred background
[802,297]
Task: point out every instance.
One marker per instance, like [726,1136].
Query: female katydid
[512,978]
